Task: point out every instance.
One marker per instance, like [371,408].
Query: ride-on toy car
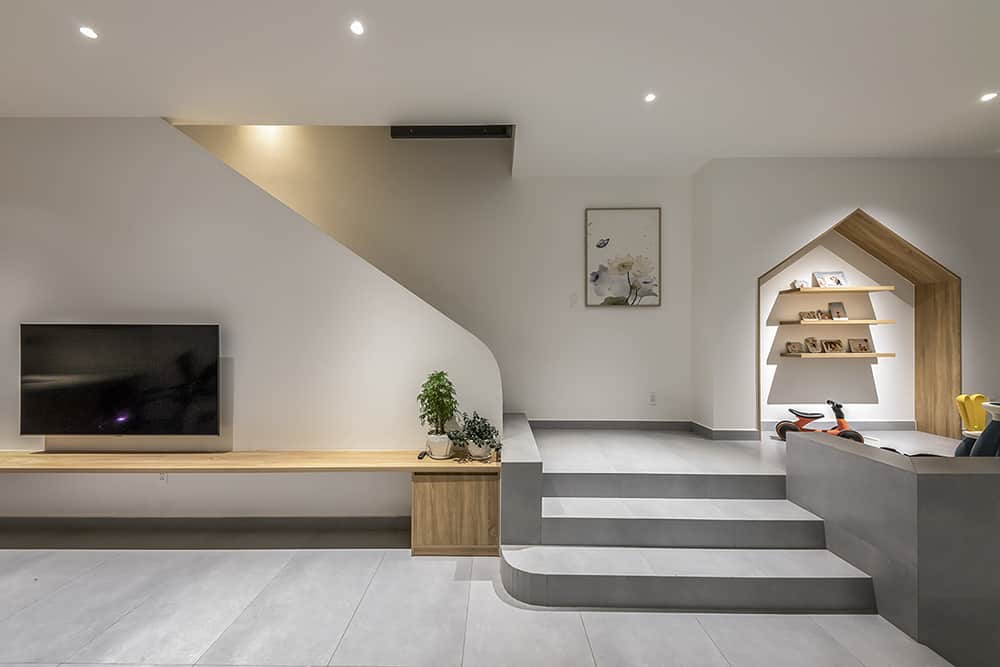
[842,429]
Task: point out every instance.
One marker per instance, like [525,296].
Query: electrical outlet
[652,398]
[164,478]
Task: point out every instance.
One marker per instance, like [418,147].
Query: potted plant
[478,435]
[437,407]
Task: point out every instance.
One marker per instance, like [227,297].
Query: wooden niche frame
[937,320]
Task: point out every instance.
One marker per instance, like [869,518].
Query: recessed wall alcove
[922,317]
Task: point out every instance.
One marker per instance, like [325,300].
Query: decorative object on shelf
[837,311]
[830,279]
[859,345]
[477,435]
[798,284]
[824,315]
[622,256]
[437,404]
[833,345]
[794,347]
[813,346]
[808,315]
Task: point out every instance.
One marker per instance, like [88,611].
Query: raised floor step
[757,580]
[680,522]
[663,485]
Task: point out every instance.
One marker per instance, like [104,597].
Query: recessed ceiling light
[650,97]
[988,97]
[88,32]
[358,28]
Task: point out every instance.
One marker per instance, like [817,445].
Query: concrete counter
[927,529]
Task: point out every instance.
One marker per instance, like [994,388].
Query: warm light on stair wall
[268,133]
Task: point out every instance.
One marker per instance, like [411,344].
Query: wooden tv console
[455,505]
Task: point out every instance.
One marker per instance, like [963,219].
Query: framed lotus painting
[623,256]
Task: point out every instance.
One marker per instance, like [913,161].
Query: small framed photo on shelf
[833,346]
[808,315]
[794,347]
[813,346]
[824,315]
[830,279]
[859,346]
[837,311]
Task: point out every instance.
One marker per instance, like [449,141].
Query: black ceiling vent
[451,131]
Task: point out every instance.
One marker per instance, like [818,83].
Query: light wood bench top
[344,460]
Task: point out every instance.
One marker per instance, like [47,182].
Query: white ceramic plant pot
[438,446]
[478,451]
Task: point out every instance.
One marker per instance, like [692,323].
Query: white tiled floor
[374,607]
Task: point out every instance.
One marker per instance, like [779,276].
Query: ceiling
[733,78]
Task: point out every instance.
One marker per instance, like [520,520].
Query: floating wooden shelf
[839,290]
[342,460]
[839,355]
[828,322]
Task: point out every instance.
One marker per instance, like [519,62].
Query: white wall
[502,256]
[130,221]
[880,390]
[755,212]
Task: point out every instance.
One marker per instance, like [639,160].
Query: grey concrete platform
[927,528]
[663,485]
[680,522]
[793,580]
[655,452]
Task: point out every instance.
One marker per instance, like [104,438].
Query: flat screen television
[119,379]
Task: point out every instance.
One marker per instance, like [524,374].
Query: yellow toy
[970,408]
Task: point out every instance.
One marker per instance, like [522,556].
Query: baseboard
[648,425]
[204,533]
[635,424]
[724,434]
[858,425]
[215,524]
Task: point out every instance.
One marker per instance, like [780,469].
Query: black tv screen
[118,379]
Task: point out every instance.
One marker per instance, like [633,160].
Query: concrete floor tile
[775,641]
[55,627]
[38,574]
[300,616]
[413,613]
[179,622]
[878,643]
[660,640]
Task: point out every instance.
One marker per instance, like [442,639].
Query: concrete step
[662,485]
[749,580]
[680,522]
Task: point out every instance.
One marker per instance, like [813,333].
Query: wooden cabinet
[455,514]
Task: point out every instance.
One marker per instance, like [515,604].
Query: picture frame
[838,311]
[623,256]
[813,345]
[794,347]
[830,279]
[859,346]
[832,346]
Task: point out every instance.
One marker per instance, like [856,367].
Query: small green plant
[437,402]
[477,430]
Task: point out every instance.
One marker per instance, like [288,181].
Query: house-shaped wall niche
[937,317]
